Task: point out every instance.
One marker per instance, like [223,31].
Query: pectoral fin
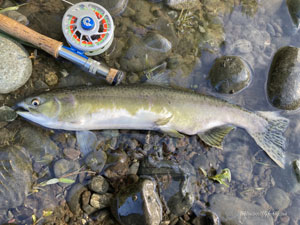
[214,137]
[172,133]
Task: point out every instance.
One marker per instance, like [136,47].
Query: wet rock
[277,198]
[207,218]
[114,7]
[74,197]
[99,185]
[284,79]
[145,53]
[15,15]
[229,74]
[294,10]
[15,65]
[87,141]
[117,165]
[15,176]
[96,160]
[63,167]
[296,166]
[71,153]
[240,166]
[101,201]
[7,114]
[182,4]
[38,144]
[51,78]
[234,211]
[138,204]
[286,179]
[176,182]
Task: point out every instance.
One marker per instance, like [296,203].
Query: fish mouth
[22,109]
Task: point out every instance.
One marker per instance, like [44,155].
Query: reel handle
[24,33]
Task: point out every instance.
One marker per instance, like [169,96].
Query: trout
[147,107]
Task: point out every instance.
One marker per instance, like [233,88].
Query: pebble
[284,79]
[114,7]
[101,201]
[7,114]
[99,185]
[86,141]
[96,160]
[15,65]
[138,204]
[63,167]
[277,198]
[182,4]
[15,15]
[71,153]
[296,166]
[206,218]
[233,210]
[51,78]
[74,197]
[229,74]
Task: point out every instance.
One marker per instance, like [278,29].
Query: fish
[172,111]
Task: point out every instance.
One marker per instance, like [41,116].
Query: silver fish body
[147,107]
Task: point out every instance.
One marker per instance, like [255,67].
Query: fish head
[40,109]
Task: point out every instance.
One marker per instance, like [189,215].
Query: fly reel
[88,27]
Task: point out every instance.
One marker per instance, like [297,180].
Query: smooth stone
[235,211]
[294,10]
[38,144]
[138,204]
[284,79]
[15,15]
[206,218]
[99,185]
[240,166]
[71,153]
[296,166]
[86,141]
[101,201]
[15,65]
[277,198]
[96,160]
[7,114]
[16,176]
[114,7]
[63,167]
[74,197]
[178,193]
[229,74]
[182,4]
[145,53]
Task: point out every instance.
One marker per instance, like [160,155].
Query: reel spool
[88,27]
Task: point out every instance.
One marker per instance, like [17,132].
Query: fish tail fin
[272,140]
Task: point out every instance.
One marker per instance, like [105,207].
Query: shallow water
[266,25]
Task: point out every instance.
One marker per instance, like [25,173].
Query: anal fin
[215,136]
[172,133]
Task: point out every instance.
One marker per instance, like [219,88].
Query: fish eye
[35,102]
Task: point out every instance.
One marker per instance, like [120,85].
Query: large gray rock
[15,65]
[235,211]
[284,79]
[15,176]
[138,204]
[294,10]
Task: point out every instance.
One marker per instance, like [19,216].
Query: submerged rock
[63,167]
[96,160]
[294,10]
[182,4]
[296,166]
[114,7]
[86,141]
[277,198]
[178,190]
[15,65]
[15,176]
[284,79]
[138,204]
[235,211]
[7,114]
[145,53]
[229,74]
[74,197]
[99,185]
[207,218]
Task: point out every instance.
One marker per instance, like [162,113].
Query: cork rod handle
[24,33]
